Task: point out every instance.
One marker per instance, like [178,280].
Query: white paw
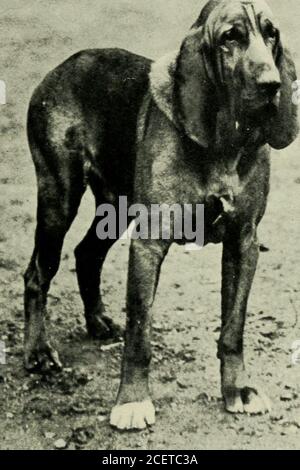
[249,401]
[259,404]
[136,415]
[235,405]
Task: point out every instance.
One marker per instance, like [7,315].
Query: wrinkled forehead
[237,11]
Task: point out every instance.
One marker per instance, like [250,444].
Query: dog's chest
[230,193]
[214,186]
[221,193]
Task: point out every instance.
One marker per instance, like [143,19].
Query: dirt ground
[35,412]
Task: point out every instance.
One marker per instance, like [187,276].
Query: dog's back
[88,106]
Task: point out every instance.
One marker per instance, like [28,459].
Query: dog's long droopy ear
[182,89]
[283,126]
[194,90]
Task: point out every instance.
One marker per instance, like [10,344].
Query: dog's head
[241,42]
[233,63]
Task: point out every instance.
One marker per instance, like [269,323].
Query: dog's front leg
[134,408]
[240,256]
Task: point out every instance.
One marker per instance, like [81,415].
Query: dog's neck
[161,85]
[232,136]
[235,138]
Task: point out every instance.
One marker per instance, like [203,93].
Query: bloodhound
[193,127]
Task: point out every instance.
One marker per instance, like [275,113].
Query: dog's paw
[43,359]
[103,328]
[247,400]
[136,415]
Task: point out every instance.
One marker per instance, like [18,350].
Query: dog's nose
[269,88]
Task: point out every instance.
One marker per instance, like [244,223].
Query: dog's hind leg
[59,195]
[90,255]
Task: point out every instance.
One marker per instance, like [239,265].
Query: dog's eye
[233,35]
[271,32]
